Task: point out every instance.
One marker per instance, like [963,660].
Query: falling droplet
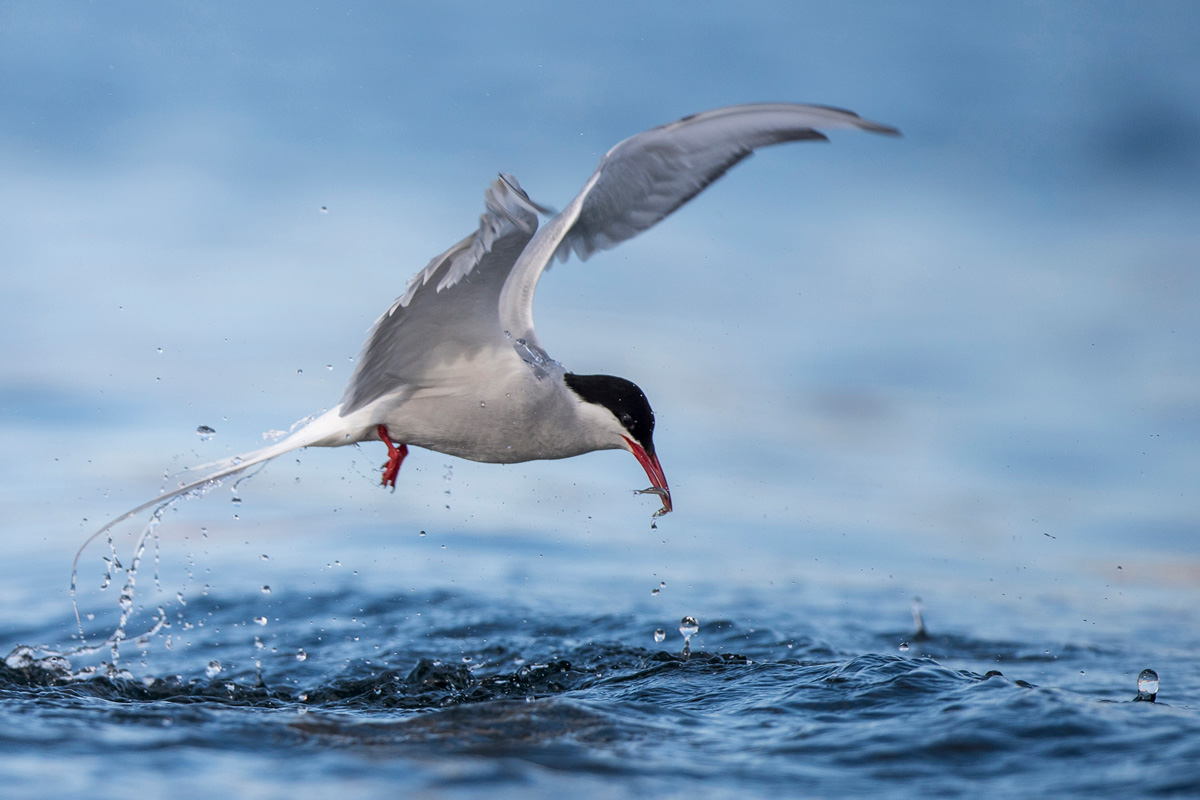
[324,210]
[1147,685]
[266,589]
[482,404]
[329,367]
[660,635]
[689,627]
[213,669]
[261,620]
[904,647]
[299,372]
[301,655]
[159,349]
[205,432]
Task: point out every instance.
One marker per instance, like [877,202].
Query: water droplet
[213,669]
[236,500]
[264,557]
[179,597]
[266,589]
[660,635]
[688,626]
[904,647]
[261,620]
[324,210]
[1147,685]
[301,655]
[422,533]
[205,432]
[159,349]
[299,372]
[329,367]
[482,404]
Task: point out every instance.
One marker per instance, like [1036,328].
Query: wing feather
[450,307]
[646,177]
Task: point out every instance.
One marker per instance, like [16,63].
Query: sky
[977,338]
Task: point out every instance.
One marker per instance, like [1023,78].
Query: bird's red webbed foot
[396,456]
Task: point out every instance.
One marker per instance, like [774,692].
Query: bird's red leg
[396,457]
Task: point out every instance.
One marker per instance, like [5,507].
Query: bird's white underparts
[455,364]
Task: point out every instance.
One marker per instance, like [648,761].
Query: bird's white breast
[491,407]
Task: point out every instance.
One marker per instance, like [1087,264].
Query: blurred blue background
[945,360]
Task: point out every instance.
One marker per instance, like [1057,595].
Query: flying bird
[455,364]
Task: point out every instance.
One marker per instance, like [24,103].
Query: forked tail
[328,429]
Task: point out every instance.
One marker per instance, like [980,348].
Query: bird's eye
[626,420]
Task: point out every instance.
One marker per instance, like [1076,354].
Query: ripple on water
[439,674]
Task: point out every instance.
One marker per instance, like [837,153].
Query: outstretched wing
[450,308]
[647,176]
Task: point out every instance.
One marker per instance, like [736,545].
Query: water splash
[688,627]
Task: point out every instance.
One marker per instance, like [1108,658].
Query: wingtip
[511,182]
[880,128]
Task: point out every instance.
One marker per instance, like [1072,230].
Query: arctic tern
[455,366]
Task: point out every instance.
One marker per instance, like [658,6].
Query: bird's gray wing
[647,176]
[449,310]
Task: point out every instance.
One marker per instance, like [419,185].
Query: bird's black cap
[623,398]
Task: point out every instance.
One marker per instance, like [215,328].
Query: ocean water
[370,678]
[959,366]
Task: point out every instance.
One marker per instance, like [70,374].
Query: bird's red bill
[654,471]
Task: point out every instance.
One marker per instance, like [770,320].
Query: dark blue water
[541,683]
